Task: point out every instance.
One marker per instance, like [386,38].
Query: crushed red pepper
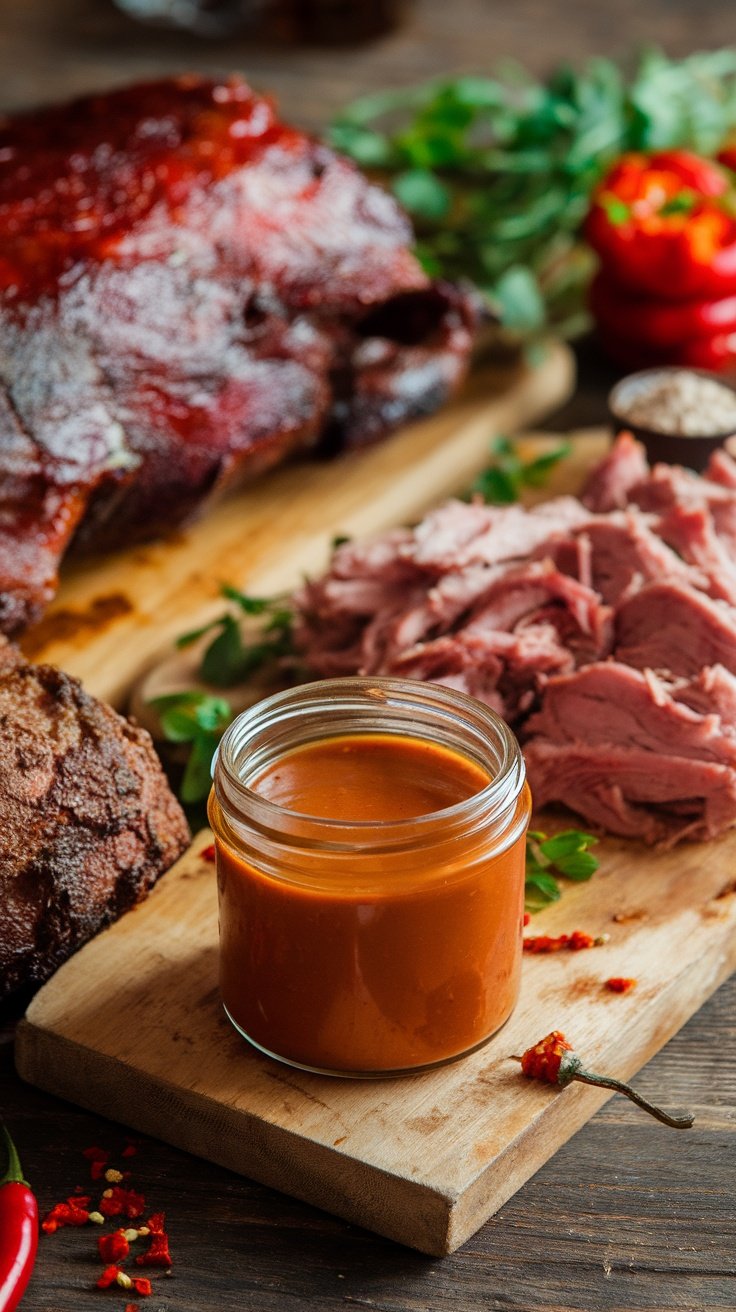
[574,942]
[156,1223]
[113,1248]
[129,1150]
[208,853]
[122,1202]
[157,1253]
[619,984]
[132,1307]
[553,1059]
[75,1211]
[142,1286]
[109,1277]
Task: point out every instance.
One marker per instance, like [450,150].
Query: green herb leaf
[422,194]
[564,854]
[200,719]
[503,481]
[498,171]
[682,203]
[617,211]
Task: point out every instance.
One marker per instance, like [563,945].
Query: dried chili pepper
[618,984]
[132,1307]
[208,853]
[157,1223]
[574,942]
[142,1286]
[18,1230]
[553,1059]
[129,1150]
[113,1248]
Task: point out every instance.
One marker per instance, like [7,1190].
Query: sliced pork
[605,632]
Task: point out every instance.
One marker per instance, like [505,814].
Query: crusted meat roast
[189,291]
[603,629]
[87,819]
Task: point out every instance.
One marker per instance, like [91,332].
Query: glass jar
[369,947]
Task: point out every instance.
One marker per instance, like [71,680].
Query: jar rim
[459,710]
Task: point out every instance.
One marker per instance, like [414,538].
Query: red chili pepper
[574,942]
[553,1059]
[620,985]
[662,226]
[208,853]
[156,1223]
[18,1230]
[142,1286]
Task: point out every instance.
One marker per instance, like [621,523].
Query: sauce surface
[370,777]
[347,961]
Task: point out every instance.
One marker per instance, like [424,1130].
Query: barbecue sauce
[385,963]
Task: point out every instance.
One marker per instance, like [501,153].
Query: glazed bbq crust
[190,291]
[87,820]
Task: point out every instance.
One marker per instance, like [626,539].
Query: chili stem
[607,1082]
[14,1173]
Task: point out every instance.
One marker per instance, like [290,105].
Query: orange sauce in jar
[370,888]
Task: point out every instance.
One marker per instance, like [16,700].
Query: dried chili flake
[96,1154]
[97,1169]
[208,853]
[122,1202]
[157,1223]
[157,1253]
[526,919]
[132,1307]
[142,1286]
[72,1212]
[553,1059]
[109,1277]
[574,942]
[618,984]
[129,1150]
[113,1248]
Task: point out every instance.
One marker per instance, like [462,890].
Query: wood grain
[425,1160]
[113,615]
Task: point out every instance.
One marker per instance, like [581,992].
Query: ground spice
[682,403]
[618,984]
[553,1059]
[574,942]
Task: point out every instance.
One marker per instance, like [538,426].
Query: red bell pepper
[658,324]
[662,225]
[18,1230]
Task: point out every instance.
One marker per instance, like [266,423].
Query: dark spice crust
[87,819]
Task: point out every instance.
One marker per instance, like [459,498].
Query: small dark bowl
[672,448]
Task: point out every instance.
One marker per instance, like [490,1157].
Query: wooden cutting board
[114,614]
[131,1027]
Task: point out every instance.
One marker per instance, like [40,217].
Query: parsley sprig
[504,479]
[199,719]
[497,172]
[566,853]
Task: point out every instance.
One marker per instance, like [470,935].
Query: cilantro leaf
[566,854]
[504,479]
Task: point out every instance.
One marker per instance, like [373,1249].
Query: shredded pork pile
[603,629]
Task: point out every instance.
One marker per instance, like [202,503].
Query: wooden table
[627,1215]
